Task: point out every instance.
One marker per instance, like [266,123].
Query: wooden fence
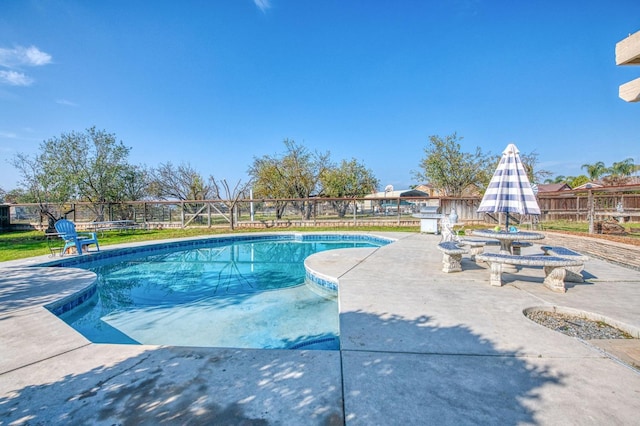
[317,211]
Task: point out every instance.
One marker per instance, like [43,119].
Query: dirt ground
[625,239]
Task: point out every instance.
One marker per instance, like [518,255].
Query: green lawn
[22,244]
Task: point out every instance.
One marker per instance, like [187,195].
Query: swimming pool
[244,292]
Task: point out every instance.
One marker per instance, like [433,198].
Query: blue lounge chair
[67,231]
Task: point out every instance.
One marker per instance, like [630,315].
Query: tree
[42,186]
[86,166]
[269,182]
[557,179]
[623,168]
[575,182]
[136,182]
[349,180]
[16,196]
[620,172]
[134,185]
[596,170]
[451,170]
[93,162]
[231,196]
[183,182]
[530,162]
[296,174]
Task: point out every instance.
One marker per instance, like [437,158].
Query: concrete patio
[418,347]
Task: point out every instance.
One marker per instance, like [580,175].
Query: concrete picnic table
[507,238]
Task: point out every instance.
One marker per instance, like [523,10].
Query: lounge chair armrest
[92,235]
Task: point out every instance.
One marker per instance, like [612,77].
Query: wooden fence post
[592,210]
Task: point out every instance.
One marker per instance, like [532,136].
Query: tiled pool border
[72,301]
[68,262]
[320,283]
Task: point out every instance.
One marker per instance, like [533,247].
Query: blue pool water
[244,294]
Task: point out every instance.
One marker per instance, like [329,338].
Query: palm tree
[623,168]
[595,171]
[620,172]
[558,179]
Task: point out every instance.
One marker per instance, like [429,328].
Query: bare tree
[231,197]
[181,182]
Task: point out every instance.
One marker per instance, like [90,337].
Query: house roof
[589,185]
[553,187]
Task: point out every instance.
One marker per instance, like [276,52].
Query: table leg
[505,248]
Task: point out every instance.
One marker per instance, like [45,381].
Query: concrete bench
[452,256]
[477,246]
[517,246]
[574,273]
[554,267]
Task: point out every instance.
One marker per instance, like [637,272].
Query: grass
[23,244]
[566,225]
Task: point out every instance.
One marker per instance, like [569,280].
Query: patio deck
[418,346]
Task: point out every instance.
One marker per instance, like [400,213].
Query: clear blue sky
[217,83]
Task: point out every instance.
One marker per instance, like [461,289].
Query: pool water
[243,295]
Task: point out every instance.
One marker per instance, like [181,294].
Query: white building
[409,201]
[628,53]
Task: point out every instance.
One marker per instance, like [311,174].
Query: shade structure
[509,190]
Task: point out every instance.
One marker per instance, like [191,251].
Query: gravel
[576,326]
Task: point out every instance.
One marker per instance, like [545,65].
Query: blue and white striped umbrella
[509,190]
